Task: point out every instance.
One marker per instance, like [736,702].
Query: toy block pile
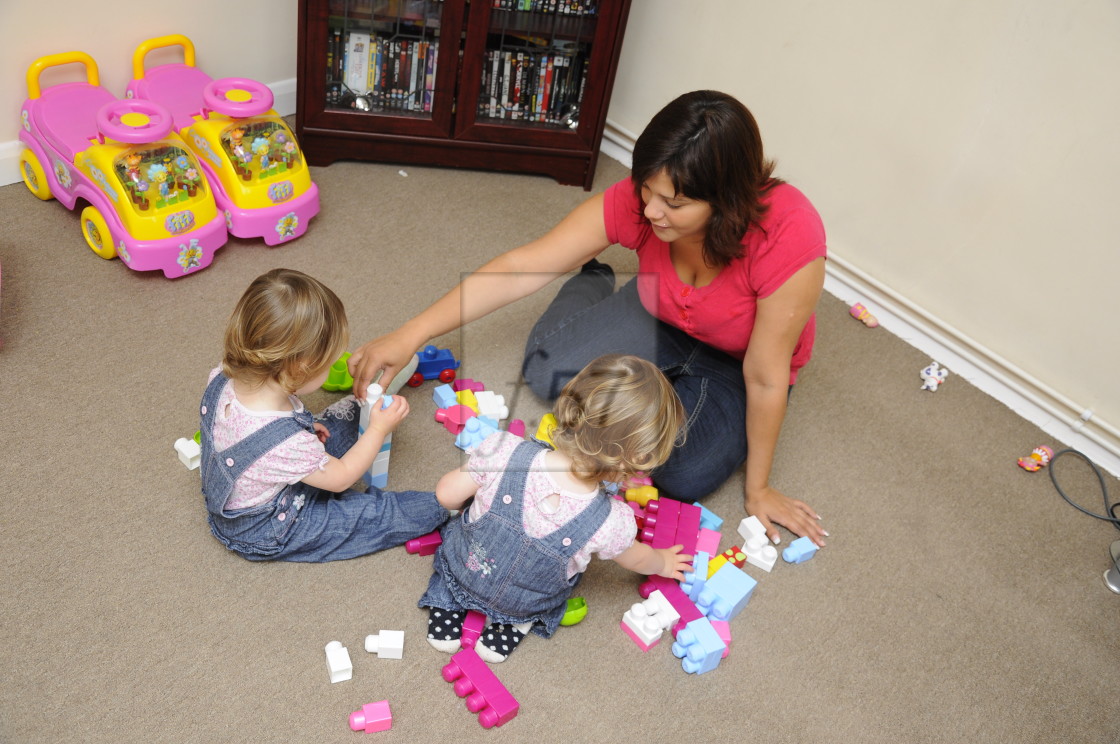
[699,609]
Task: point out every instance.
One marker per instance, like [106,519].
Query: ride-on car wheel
[237,98]
[97,233]
[34,178]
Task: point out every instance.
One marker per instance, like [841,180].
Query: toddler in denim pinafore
[538,515]
[278,482]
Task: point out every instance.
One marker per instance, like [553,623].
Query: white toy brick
[387,644]
[649,619]
[338,662]
[491,405]
[757,545]
[190,454]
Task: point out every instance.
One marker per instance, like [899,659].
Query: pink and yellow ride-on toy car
[259,177]
[146,199]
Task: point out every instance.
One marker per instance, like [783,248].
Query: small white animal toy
[933,376]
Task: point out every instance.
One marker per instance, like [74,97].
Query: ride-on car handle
[55,60]
[159,43]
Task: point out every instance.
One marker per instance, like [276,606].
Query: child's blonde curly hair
[618,416]
[287,327]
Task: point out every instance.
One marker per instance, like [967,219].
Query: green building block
[339,379]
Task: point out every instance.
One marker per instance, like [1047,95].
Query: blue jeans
[588,319]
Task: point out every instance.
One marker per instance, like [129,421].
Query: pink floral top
[290,462]
[487,464]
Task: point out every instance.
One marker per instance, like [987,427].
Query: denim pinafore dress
[491,565]
[302,523]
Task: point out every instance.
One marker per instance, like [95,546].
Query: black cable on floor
[1110,508]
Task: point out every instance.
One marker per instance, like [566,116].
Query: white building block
[646,621]
[388,644]
[757,545]
[338,662]
[190,454]
[491,405]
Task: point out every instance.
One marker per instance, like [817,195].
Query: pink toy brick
[425,544]
[455,417]
[473,626]
[688,528]
[660,529]
[485,693]
[517,428]
[708,541]
[467,383]
[723,630]
[372,717]
[677,598]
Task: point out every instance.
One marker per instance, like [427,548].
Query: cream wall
[963,154]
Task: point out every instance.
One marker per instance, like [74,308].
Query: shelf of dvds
[509,85]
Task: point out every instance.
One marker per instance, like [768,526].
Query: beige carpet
[959,599]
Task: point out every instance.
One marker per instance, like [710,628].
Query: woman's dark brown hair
[708,144]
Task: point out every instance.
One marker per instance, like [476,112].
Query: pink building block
[425,544]
[473,626]
[455,417]
[708,541]
[677,598]
[485,693]
[466,383]
[372,717]
[688,528]
[723,630]
[660,529]
[517,428]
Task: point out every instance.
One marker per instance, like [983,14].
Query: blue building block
[693,583]
[800,550]
[726,593]
[444,396]
[475,431]
[699,647]
[709,520]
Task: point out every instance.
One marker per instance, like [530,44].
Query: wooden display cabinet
[508,85]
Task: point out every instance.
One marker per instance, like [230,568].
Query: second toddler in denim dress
[539,515]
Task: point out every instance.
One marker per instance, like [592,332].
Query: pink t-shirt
[722,314]
[486,466]
[297,457]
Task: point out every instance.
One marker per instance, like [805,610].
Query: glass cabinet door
[389,65]
[528,65]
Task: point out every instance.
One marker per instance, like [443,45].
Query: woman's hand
[385,355]
[772,507]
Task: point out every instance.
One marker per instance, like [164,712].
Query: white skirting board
[1061,418]
[283,91]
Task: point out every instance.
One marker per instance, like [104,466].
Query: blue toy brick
[694,581]
[444,396]
[699,647]
[475,431]
[800,550]
[708,519]
[726,593]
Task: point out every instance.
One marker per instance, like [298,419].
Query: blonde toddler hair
[617,416]
[287,327]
